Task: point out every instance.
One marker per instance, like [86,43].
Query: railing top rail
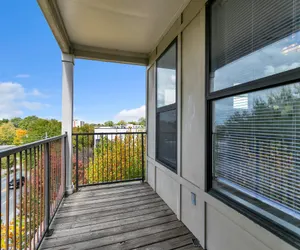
[112,133]
[14,150]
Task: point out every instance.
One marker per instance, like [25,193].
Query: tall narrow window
[254,100]
[166,108]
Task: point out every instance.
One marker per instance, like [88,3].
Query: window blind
[240,27]
[256,144]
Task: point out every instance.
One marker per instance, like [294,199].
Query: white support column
[67,113]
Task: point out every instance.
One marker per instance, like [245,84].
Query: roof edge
[51,13]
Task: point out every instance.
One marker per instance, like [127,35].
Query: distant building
[77,123]
[109,131]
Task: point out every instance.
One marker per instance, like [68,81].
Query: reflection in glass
[166,78]
[167,138]
[275,58]
[256,146]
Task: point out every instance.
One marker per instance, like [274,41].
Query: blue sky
[30,73]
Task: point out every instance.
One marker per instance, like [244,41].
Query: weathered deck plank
[130,216]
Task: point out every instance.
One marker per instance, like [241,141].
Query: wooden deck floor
[128,216]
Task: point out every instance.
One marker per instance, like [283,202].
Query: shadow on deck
[123,216]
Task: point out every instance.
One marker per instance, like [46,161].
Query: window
[253,39]
[166,108]
[254,104]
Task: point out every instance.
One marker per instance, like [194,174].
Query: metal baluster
[15,202]
[47,186]
[102,163]
[88,160]
[125,155]
[82,160]
[107,159]
[25,191]
[133,157]
[77,146]
[129,159]
[30,201]
[38,194]
[116,152]
[121,156]
[7,201]
[143,160]
[34,199]
[93,160]
[21,184]
[1,199]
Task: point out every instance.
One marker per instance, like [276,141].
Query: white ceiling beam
[110,55]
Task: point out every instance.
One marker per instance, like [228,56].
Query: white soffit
[128,25]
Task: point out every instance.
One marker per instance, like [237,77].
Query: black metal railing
[32,187]
[102,158]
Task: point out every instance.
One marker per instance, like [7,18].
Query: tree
[142,121]
[7,134]
[19,137]
[38,129]
[109,123]
[3,121]
[122,122]
[133,122]
[16,121]
[27,121]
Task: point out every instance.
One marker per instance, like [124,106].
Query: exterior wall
[193,102]
[217,226]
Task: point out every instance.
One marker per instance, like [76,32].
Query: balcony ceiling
[113,30]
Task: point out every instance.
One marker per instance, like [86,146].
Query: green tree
[109,123]
[3,121]
[38,129]
[133,123]
[142,121]
[122,122]
[16,121]
[27,121]
[7,134]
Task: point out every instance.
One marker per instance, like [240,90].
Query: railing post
[47,185]
[143,163]
[77,163]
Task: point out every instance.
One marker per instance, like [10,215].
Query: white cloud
[13,100]
[131,114]
[37,93]
[33,105]
[22,76]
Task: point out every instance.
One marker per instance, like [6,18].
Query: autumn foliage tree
[113,158]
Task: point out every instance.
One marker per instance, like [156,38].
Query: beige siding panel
[193,101]
[222,233]
[151,112]
[151,174]
[167,189]
[193,215]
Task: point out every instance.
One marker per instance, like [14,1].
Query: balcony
[222,109]
[112,207]
[117,216]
